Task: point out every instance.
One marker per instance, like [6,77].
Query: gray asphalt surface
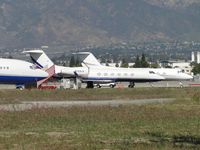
[67,104]
[137,85]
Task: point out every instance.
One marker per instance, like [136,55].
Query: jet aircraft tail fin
[40,59]
[88,59]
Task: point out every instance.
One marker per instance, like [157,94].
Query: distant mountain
[81,23]
[173,3]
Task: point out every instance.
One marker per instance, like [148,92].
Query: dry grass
[156,126]
[14,96]
[162,126]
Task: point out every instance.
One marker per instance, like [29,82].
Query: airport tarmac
[137,85]
[67,104]
[161,84]
[169,84]
[7,86]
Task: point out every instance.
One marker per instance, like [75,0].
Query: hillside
[173,3]
[80,23]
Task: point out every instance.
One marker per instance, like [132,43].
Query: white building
[184,66]
[198,57]
[193,57]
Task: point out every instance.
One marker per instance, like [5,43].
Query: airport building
[184,66]
[195,57]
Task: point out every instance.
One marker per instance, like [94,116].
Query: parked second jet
[93,72]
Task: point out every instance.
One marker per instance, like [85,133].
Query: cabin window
[4,67]
[112,74]
[125,74]
[119,74]
[105,74]
[132,74]
[99,74]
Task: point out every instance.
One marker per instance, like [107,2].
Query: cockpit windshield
[151,72]
[180,71]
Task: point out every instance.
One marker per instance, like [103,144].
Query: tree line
[196,68]
[140,62]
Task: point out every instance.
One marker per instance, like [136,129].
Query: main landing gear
[90,85]
[131,85]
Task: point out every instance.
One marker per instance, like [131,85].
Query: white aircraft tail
[88,59]
[39,58]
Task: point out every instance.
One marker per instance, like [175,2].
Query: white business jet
[170,74]
[21,73]
[93,72]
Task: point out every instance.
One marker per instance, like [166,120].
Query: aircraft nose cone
[189,77]
[185,76]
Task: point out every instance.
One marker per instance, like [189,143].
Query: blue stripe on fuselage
[19,79]
[120,79]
